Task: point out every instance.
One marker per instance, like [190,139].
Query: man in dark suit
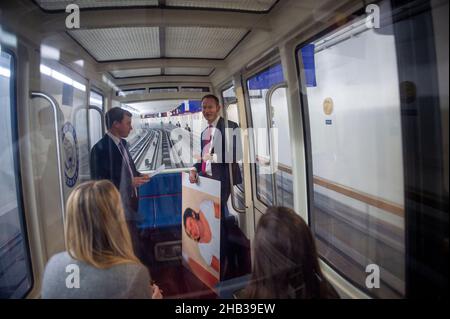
[220,152]
[111,160]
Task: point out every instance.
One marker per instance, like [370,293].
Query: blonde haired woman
[99,261]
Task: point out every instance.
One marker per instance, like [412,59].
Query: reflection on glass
[168,133]
[280,122]
[267,120]
[354,113]
[231,107]
[15,272]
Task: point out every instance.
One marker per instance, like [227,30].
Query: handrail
[136,157]
[365,198]
[280,167]
[154,137]
[173,151]
[157,148]
[55,108]
[141,139]
[285,168]
[361,196]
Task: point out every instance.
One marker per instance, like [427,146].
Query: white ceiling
[121,41]
[152,107]
[201,42]
[111,44]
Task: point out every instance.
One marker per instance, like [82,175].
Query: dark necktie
[125,157]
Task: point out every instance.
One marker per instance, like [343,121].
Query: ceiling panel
[136,72]
[201,42]
[120,43]
[86,4]
[242,5]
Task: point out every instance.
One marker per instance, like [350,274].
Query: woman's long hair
[95,230]
[285,261]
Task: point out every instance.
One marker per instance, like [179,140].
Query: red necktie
[207,147]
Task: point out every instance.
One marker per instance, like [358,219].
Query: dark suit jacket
[228,154]
[107,163]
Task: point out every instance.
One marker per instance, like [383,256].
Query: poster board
[201,228]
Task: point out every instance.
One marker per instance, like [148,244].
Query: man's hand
[157,293]
[193,176]
[140,180]
[208,157]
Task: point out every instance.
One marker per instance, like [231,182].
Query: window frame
[99,92]
[194,89]
[410,230]
[225,105]
[17,171]
[264,65]
[98,109]
[161,88]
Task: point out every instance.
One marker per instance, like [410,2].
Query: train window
[130,92]
[61,5]
[96,99]
[15,270]
[195,89]
[163,90]
[232,114]
[170,136]
[95,117]
[353,109]
[229,96]
[252,6]
[268,105]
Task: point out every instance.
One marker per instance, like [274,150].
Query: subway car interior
[342,105]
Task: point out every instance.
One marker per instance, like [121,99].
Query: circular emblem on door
[328,106]
[70,154]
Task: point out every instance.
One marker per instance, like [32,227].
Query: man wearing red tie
[110,159]
[217,160]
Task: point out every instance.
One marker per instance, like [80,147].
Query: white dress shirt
[214,156]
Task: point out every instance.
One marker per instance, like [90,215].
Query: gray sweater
[125,281]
